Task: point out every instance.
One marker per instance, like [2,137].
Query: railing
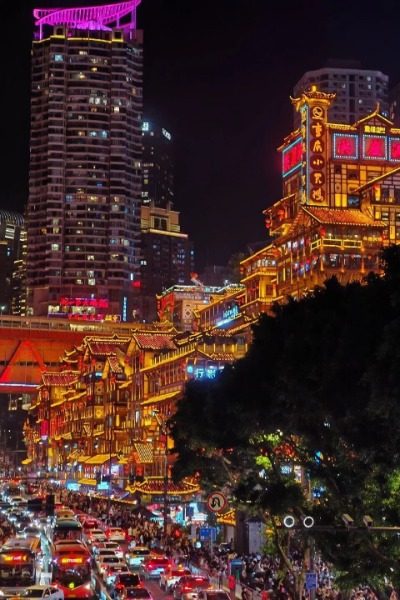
[336,243]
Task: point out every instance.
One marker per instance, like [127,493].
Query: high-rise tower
[358,90]
[83,218]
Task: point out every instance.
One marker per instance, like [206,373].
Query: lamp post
[163,430]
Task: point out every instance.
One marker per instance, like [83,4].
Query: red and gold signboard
[345,146]
[316,154]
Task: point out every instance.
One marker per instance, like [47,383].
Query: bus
[65,529]
[71,569]
[20,561]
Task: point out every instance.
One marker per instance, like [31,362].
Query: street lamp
[163,429]
[2,309]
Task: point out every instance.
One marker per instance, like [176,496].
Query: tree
[313,405]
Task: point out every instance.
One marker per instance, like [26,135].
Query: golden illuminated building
[340,205]
[106,410]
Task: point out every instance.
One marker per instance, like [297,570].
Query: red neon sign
[394,149]
[292,156]
[346,145]
[95,302]
[374,147]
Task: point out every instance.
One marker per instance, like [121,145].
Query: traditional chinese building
[104,414]
[340,205]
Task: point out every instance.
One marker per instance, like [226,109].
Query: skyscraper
[12,236]
[83,219]
[358,90]
[158,165]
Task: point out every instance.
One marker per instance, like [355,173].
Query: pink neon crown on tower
[89,17]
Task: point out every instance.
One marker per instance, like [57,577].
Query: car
[64,513]
[153,567]
[123,581]
[213,595]
[188,587]
[136,555]
[138,593]
[109,561]
[102,554]
[171,576]
[16,500]
[48,592]
[95,535]
[89,523]
[105,545]
[113,571]
[116,534]
[31,531]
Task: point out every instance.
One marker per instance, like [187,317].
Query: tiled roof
[342,216]
[155,486]
[155,341]
[115,367]
[144,452]
[60,379]
[105,347]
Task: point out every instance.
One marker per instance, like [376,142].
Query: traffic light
[49,505]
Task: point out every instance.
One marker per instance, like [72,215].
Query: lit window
[58,58]
[116,109]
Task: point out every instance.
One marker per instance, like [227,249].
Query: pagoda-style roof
[342,216]
[106,346]
[154,486]
[155,341]
[227,518]
[114,364]
[64,378]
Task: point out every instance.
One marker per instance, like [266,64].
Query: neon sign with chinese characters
[292,157]
[374,147]
[394,149]
[345,146]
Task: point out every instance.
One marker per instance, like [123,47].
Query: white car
[112,546]
[95,535]
[47,592]
[102,554]
[112,572]
[171,576]
[110,561]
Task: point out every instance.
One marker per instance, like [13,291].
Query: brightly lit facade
[340,205]
[105,410]
[83,218]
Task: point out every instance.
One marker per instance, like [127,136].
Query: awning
[87,481]
[73,454]
[26,461]
[97,433]
[99,459]
[124,385]
[82,459]
[57,403]
[77,396]
[160,398]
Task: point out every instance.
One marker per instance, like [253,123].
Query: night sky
[218,75]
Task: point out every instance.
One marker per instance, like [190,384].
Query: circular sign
[216,502]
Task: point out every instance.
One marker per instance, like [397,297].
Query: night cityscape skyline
[225,116]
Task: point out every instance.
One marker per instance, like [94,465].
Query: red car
[153,567]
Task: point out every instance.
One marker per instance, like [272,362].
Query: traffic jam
[53,552]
